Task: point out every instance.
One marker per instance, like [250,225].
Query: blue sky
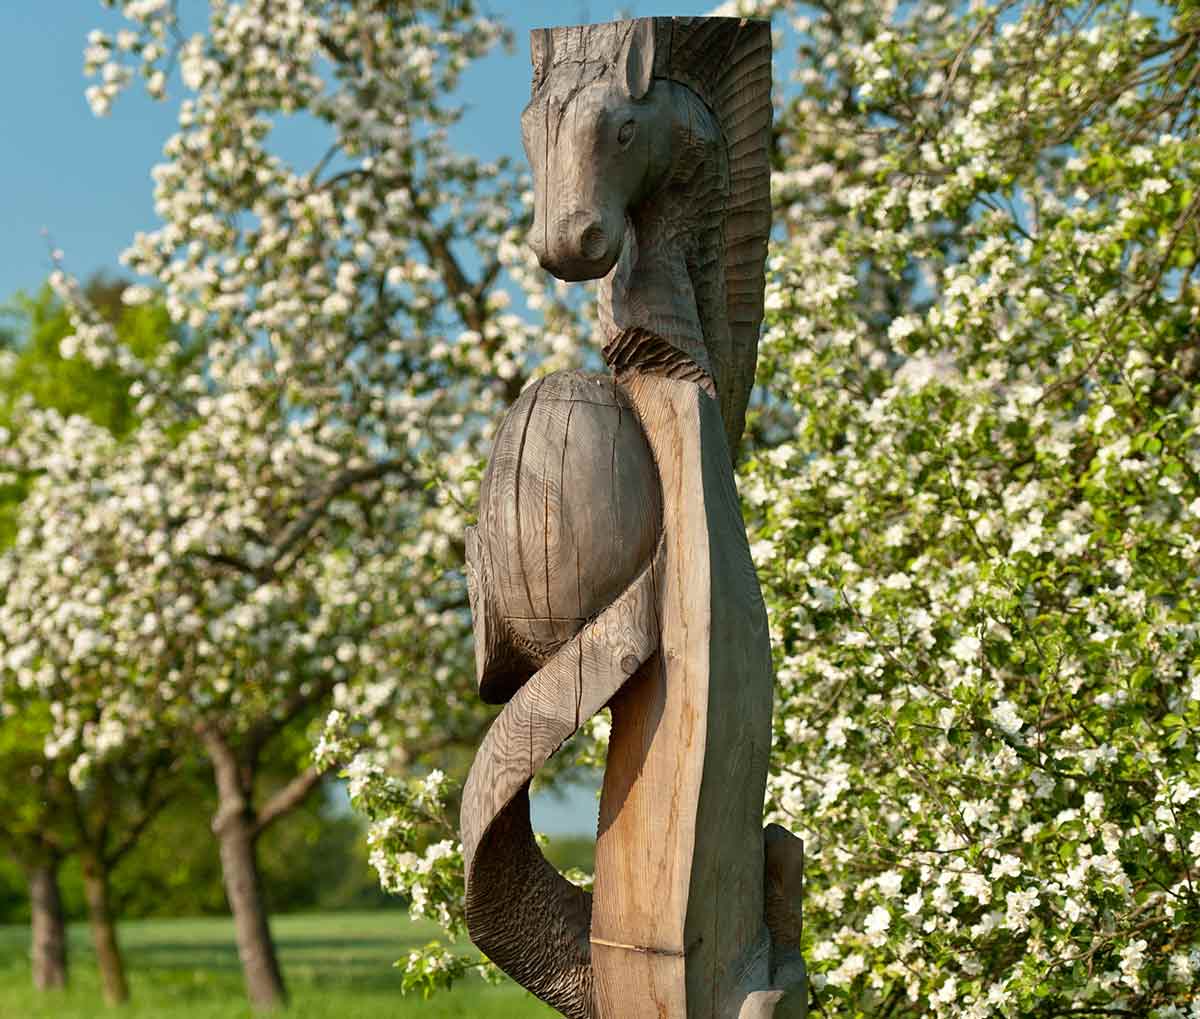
[85,181]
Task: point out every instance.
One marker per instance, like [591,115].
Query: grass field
[338,966]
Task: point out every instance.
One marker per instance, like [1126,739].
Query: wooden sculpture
[610,564]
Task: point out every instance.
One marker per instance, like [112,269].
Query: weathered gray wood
[610,564]
[681,810]
[784,885]
[569,511]
[777,1003]
[526,917]
[783,909]
[562,572]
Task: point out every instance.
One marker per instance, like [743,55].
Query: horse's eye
[625,135]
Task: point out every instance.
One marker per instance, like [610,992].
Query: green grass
[337,965]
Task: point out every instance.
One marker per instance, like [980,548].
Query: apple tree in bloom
[976,505]
[76,787]
[281,533]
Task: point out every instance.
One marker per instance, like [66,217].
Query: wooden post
[610,563]
[678,921]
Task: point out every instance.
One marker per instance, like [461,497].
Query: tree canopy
[977,518]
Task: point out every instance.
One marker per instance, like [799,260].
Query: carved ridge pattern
[727,62]
[641,350]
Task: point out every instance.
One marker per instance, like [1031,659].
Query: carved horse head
[648,141]
[597,138]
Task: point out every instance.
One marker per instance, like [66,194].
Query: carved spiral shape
[562,570]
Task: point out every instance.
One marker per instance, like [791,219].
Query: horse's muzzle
[578,246]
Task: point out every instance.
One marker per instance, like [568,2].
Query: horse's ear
[541,53]
[637,58]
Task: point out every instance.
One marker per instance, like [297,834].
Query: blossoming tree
[93,793]
[280,533]
[978,520]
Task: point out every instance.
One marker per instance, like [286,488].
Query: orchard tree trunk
[243,887]
[49,929]
[237,830]
[96,890]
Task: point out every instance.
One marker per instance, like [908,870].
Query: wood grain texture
[610,564]
[521,912]
[784,887]
[777,1003]
[569,513]
[681,808]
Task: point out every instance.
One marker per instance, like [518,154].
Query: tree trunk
[236,829]
[104,932]
[49,929]
[243,888]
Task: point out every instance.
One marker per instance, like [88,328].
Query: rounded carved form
[570,511]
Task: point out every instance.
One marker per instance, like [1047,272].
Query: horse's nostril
[593,244]
[579,245]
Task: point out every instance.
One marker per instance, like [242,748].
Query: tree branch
[288,798]
[296,531]
[262,730]
[455,280]
[154,807]
[232,561]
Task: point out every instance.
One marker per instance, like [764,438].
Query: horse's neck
[669,281]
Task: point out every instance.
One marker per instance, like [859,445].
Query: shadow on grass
[372,948]
[339,966]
